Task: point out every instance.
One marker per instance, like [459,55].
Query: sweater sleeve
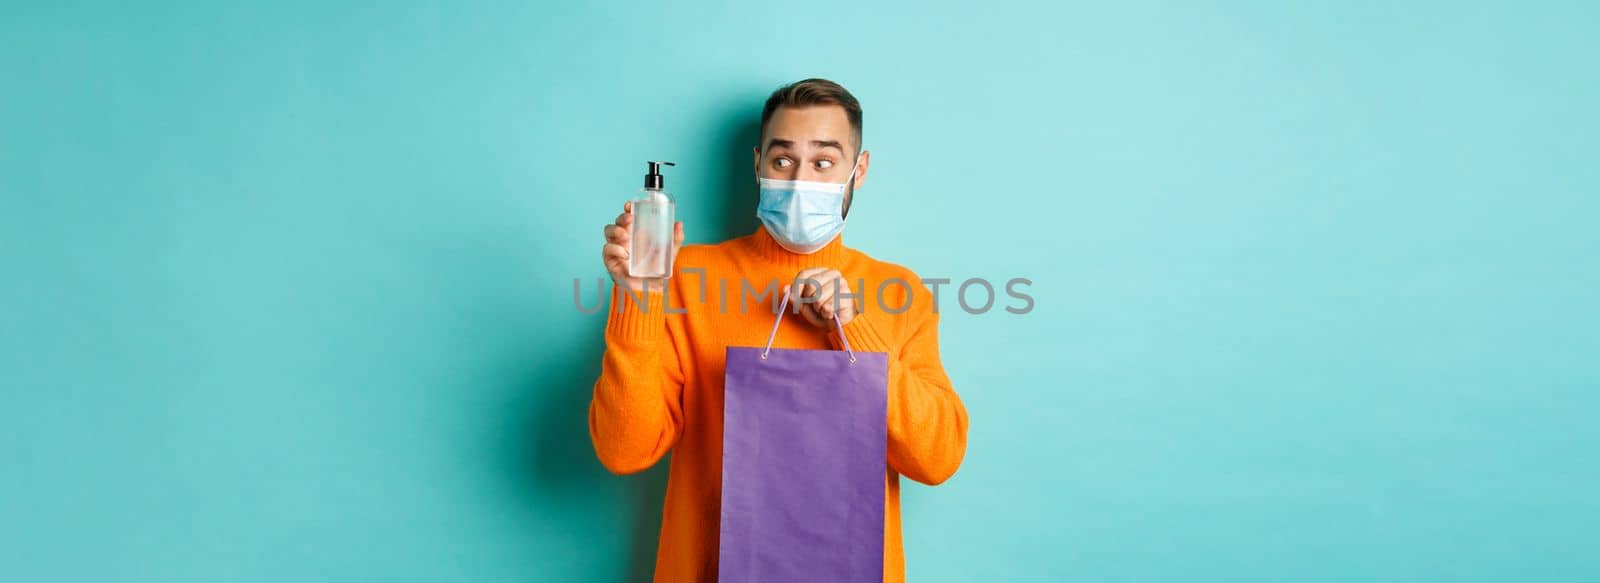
[927,421]
[636,415]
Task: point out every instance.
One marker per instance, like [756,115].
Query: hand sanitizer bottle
[650,247]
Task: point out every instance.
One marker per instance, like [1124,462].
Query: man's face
[812,143]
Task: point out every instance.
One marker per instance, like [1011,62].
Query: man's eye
[824,164]
[781,162]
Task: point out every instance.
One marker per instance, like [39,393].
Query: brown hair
[813,92]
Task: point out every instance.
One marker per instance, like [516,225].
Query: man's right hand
[615,253]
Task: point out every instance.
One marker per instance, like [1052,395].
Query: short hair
[813,92]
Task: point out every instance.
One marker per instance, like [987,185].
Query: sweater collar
[768,249]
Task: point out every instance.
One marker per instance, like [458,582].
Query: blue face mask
[803,216]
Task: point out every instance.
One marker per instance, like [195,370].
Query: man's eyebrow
[776,143]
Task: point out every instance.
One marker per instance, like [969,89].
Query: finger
[677,240]
[824,301]
[847,312]
[828,282]
[836,305]
[846,302]
[618,235]
[614,251]
[810,315]
[797,287]
[803,282]
[838,294]
[809,288]
[627,207]
[624,220]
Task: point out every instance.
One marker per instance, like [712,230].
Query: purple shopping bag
[804,434]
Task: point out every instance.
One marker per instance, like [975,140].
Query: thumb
[677,238]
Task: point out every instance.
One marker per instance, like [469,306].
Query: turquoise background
[288,286]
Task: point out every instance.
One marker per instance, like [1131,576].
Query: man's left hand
[824,291]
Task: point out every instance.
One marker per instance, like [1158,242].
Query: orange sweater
[661,382]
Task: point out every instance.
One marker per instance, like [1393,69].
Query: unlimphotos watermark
[892,295]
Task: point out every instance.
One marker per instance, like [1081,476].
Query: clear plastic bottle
[650,248]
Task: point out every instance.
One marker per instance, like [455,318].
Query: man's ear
[860,180]
[757,163]
[861,173]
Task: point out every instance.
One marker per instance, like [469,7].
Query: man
[661,382]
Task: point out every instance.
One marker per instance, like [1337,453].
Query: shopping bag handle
[784,307]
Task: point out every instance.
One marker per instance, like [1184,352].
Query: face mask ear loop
[846,191]
[853,168]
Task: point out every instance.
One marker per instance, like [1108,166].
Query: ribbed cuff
[865,333]
[635,323]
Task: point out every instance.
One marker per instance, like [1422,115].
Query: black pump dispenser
[653,180]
